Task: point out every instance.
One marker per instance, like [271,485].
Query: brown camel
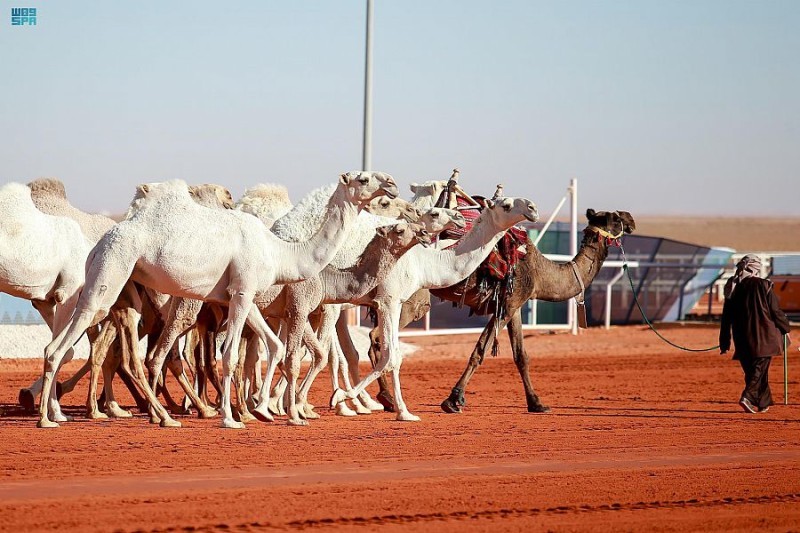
[535,277]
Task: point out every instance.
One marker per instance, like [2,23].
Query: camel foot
[207,412]
[61,417]
[26,399]
[296,422]
[96,414]
[338,397]
[276,406]
[450,406]
[263,414]
[369,403]
[230,423]
[359,407]
[407,417]
[247,417]
[114,410]
[538,408]
[386,401]
[46,423]
[169,423]
[342,409]
[308,412]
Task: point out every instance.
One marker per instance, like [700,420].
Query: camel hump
[266,201]
[48,187]
[148,194]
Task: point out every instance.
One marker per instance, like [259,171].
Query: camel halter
[610,237]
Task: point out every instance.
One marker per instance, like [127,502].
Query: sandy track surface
[641,437]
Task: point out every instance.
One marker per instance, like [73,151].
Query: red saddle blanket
[506,252]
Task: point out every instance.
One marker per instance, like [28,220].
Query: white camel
[42,259]
[333,286]
[50,197]
[265,202]
[429,268]
[159,247]
[297,225]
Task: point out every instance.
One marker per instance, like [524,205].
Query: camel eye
[385,203]
[435,215]
[363,181]
[506,207]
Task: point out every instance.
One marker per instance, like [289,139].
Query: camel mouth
[391,191]
[532,217]
[460,223]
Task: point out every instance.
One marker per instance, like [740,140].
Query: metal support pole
[573,247]
[609,286]
[785,370]
[366,154]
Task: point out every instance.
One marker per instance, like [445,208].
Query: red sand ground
[641,437]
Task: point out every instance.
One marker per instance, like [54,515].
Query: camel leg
[97,358]
[252,371]
[384,396]
[294,336]
[456,400]
[388,321]
[344,344]
[56,353]
[113,366]
[127,320]
[211,371]
[27,395]
[182,314]
[242,381]
[239,308]
[320,362]
[521,360]
[175,365]
[270,401]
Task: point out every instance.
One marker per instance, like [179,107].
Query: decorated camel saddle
[495,275]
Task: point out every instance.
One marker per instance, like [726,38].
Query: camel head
[507,211]
[609,224]
[211,195]
[426,193]
[403,236]
[438,219]
[393,208]
[362,187]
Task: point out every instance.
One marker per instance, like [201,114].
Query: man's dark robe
[758,323]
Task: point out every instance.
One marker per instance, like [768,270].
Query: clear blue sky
[679,107]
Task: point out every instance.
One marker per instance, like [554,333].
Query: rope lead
[647,321]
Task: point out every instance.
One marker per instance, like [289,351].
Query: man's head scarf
[748,266]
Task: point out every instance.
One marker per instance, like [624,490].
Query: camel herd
[270,277]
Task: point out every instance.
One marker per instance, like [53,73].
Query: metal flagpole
[366,146]
[573,247]
[366,159]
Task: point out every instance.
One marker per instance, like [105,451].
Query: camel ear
[143,189]
[345,178]
[590,213]
[628,223]
[489,204]
[383,231]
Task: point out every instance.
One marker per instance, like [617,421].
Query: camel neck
[373,265]
[556,282]
[302,260]
[454,264]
